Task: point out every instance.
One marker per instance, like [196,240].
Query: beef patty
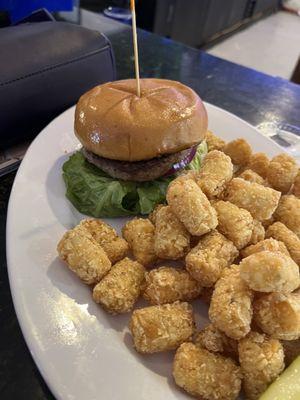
[139,171]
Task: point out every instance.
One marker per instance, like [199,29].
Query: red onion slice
[184,162]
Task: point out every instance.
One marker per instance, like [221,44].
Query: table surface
[253,96]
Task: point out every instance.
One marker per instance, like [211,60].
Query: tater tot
[239,151]
[167,285]
[278,315]
[206,375]
[259,163]
[266,244]
[291,350]
[280,232]
[212,339]
[206,261]
[120,288]
[266,223]
[259,200]
[288,212]
[230,307]
[270,271]
[161,328]
[213,142]
[114,246]
[215,172]
[83,255]
[171,239]
[191,207]
[235,223]
[187,174]
[258,232]
[261,360]
[152,216]
[139,233]
[251,176]
[282,172]
[296,187]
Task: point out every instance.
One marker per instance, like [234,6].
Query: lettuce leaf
[196,162]
[94,193]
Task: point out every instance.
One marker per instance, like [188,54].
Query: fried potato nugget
[212,339]
[214,142]
[288,212]
[251,176]
[266,223]
[282,172]
[259,200]
[296,187]
[161,328]
[206,261]
[258,233]
[152,216]
[280,232]
[186,174]
[267,244]
[120,288]
[278,315]
[291,350]
[167,285]
[114,246]
[259,163]
[139,233]
[235,223]
[215,172]
[261,360]
[239,151]
[206,375]
[83,255]
[270,271]
[171,239]
[191,207]
[230,307]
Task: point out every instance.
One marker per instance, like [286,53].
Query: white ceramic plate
[82,352]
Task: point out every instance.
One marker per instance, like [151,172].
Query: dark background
[196,23]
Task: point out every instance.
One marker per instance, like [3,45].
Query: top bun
[113,122]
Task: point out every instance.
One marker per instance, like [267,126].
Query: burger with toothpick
[136,136]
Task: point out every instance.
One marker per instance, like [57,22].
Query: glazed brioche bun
[112,122]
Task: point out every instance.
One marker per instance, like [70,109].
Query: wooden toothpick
[135,47]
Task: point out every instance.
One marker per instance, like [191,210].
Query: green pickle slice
[287,386]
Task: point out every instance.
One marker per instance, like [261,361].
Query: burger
[130,140]
[140,138]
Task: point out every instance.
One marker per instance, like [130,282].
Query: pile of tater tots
[234,227]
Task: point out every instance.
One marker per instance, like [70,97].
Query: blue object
[119,14]
[18,9]
[40,15]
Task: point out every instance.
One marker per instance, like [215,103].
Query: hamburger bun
[112,122]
